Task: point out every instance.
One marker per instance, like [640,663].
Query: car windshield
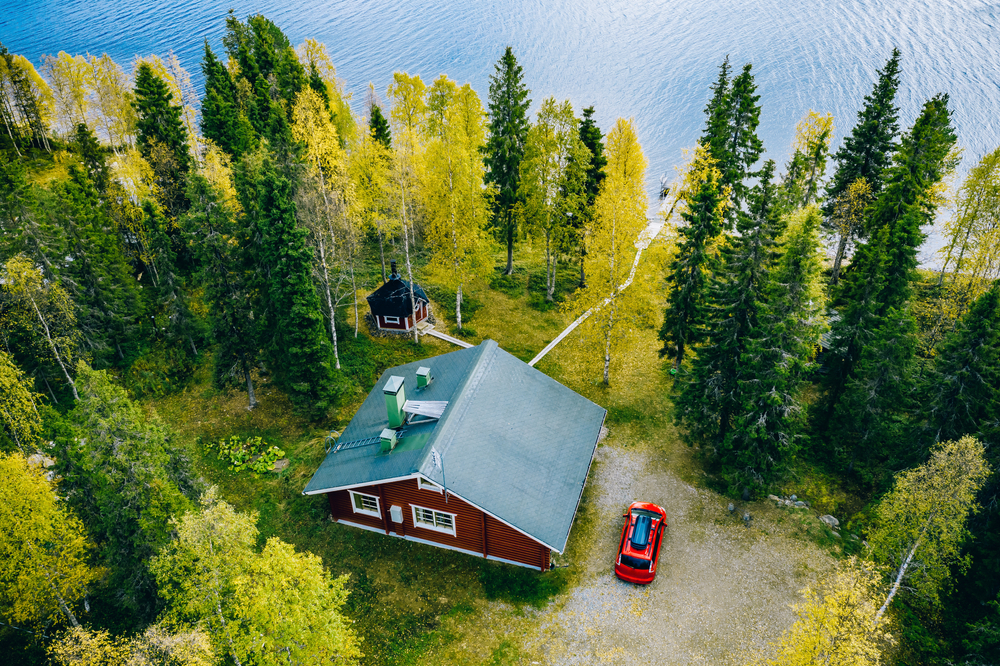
[635,563]
[645,512]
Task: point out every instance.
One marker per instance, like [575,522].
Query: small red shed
[392,307]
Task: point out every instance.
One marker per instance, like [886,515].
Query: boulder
[830,520]
[280,465]
[774,498]
[801,505]
[793,498]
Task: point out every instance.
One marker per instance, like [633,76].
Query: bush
[253,453]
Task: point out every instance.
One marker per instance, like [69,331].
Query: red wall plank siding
[474,530]
[401,326]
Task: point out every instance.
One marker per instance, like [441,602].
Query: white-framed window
[434,520]
[390,320]
[366,504]
[424,484]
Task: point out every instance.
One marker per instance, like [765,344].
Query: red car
[640,544]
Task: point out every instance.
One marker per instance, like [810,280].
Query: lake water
[652,61]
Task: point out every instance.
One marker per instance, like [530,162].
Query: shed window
[366,504]
[434,520]
[390,320]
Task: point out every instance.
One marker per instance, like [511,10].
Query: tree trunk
[583,275]
[354,288]
[409,268]
[607,347]
[896,583]
[329,301]
[52,345]
[841,247]
[550,277]
[458,306]
[381,250]
[510,247]
[251,397]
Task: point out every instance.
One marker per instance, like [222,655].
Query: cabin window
[434,520]
[366,504]
[428,485]
[390,320]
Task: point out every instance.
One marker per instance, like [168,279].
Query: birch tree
[112,100]
[973,250]
[275,607]
[370,169]
[408,94]
[67,78]
[455,200]
[921,521]
[321,204]
[44,310]
[43,548]
[19,417]
[552,181]
[834,625]
[619,217]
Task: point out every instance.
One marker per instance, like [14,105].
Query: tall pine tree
[292,334]
[879,277]
[768,427]
[222,120]
[961,394]
[161,136]
[590,135]
[687,281]
[504,150]
[866,153]
[709,398]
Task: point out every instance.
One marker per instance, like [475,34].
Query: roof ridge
[461,399]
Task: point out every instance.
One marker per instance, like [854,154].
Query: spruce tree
[880,274]
[379,127]
[92,156]
[293,336]
[220,245]
[709,397]
[222,121]
[89,264]
[504,149]
[161,136]
[590,135]
[169,294]
[871,419]
[769,424]
[687,282]
[730,136]
[961,394]
[715,139]
[744,147]
[867,152]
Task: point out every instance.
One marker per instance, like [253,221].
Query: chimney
[394,275]
[395,397]
[424,377]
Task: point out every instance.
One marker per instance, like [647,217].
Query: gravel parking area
[722,592]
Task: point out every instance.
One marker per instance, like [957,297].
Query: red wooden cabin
[473,451]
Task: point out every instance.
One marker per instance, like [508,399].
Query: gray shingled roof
[515,442]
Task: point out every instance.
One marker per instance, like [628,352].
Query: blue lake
[652,61]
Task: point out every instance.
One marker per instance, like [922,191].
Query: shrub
[252,453]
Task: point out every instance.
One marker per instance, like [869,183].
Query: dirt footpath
[722,590]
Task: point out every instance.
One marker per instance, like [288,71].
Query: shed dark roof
[393,298]
[515,442]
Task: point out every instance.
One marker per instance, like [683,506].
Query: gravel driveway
[722,590]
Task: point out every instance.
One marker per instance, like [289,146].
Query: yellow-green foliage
[85,647]
[19,416]
[921,521]
[43,548]
[836,624]
[274,607]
